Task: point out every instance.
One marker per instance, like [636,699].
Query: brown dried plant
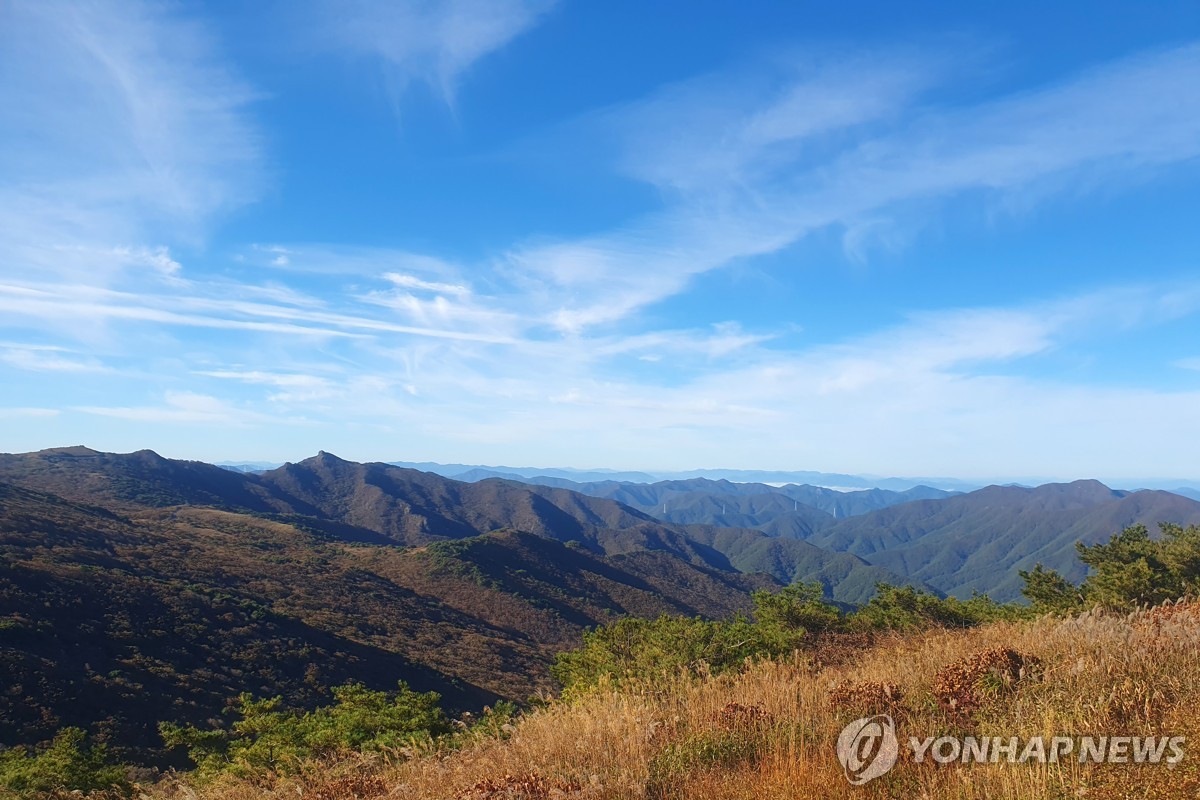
[738,717]
[526,786]
[963,687]
[867,697]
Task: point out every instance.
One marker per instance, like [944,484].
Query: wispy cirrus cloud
[17,413]
[403,281]
[35,358]
[282,379]
[548,341]
[752,172]
[942,391]
[290,388]
[182,407]
[741,127]
[120,125]
[81,304]
[434,42]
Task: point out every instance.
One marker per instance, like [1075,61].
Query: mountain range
[466,472]
[979,541]
[958,543]
[830,480]
[747,505]
[135,588]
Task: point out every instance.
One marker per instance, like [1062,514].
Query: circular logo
[868,748]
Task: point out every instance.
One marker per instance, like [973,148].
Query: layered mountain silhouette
[978,541]
[957,543]
[383,504]
[133,580]
[465,472]
[793,509]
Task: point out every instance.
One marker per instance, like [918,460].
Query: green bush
[906,608]
[799,608]
[69,763]
[497,721]
[267,737]
[645,649]
[652,650]
[1048,592]
[1127,571]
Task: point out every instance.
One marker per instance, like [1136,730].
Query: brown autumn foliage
[528,786]
[768,732]
[963,687]
[114,622]
[867,697]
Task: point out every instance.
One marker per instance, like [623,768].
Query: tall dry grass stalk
[769,732]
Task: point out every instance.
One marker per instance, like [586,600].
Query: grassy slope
[1137,675]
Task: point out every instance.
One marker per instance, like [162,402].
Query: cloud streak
[419,41]
[120,123]
[181,407]
[781,165]
[555,342]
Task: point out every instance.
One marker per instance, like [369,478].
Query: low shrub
[962,688]
[269,738]
[70,763]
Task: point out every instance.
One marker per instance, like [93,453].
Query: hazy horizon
[634,474]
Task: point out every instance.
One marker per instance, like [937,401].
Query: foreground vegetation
[768,730]
[748,708]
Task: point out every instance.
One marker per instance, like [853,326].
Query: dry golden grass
[769,732]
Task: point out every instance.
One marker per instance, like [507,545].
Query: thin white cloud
[271,292]
[940,393]
[47,359]
[182,407]
[757,194]
[724,339]
[44,348]
[737,128]
[62,303]
[57,311]
[293,389]
[17,413]
[120,124]
[432,42]
[289,380]
[324,259]
[403,281]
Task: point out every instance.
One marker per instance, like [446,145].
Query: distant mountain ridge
[382,504]
[138,588]
[980,540]
[828,480]
[513,473]
[747,505]
[134,583]
[823,479]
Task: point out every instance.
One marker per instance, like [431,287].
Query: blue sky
[921,238]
